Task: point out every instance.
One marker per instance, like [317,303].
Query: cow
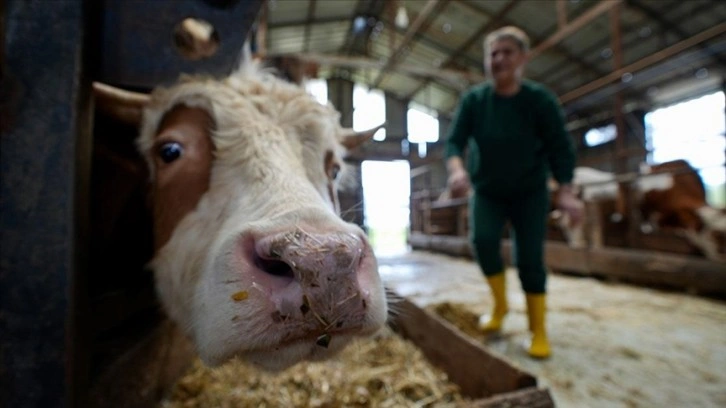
[251,258]
[668,196]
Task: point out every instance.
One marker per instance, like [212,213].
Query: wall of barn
[605,156]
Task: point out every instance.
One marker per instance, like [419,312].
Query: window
[693,131]
[598,136]
[386,195]
[423,127]
[369,110]
[319,89]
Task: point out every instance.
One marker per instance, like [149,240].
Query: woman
[514,134]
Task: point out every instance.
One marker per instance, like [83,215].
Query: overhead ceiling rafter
[421,23]
[573,26]
[560,70]
[454,77]
[645,62]
[668,25]
[308,25]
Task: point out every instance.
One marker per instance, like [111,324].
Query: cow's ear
[352,139]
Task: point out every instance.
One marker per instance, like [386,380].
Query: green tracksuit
[512,144]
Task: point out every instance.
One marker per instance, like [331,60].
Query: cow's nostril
[274,267]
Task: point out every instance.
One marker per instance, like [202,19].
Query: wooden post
[45,150]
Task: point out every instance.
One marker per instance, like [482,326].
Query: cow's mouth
[312,346]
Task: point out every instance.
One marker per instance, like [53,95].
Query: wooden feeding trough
[430,363]
[484,378]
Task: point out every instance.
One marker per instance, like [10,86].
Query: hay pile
[460,316]
[384,371]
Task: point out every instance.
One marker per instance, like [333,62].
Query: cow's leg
[575,234]
[704,241]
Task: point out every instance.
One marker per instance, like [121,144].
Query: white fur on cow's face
[268,177]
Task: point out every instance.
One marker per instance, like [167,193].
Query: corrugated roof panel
[399,84]
[328,38]
[455,25]
[327,9]
[490,6]
[286,11]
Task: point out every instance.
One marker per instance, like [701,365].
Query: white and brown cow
[668,196]
[251,257]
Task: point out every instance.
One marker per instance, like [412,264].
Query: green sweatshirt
[513,142]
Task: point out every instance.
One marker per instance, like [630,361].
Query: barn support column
[625,199]
[340,94]
[397,126]
[44,184]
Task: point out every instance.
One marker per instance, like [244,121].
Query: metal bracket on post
[139,47]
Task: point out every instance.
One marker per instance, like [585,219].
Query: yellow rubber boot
[493,321]
[539,346]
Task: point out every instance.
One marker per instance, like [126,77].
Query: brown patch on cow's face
[182,155]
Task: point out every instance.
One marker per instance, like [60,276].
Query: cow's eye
[334,172]
[168,152]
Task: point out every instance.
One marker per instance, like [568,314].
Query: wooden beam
[261,32]
[657,16]
[644,62]
[641,267]
[561,14]
[413,29]
[531,397]
[476,371]
[569,29]
[308,24]
[458,79]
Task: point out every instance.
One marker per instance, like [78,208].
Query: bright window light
[319,89]
[693,131]
[386,195]
[598,136]
[369,110]
[423,125]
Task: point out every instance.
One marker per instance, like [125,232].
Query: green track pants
[527,215]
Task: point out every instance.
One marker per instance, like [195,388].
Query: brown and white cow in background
[669,196]
[251,256]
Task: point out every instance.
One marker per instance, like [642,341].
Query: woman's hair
[510,33]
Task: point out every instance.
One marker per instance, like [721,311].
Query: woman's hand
[459,183]
[572,206]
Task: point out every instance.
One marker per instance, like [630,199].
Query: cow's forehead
[257,98]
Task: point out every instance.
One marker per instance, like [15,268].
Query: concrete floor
[613,345]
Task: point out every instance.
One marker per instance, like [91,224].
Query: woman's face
[504,60]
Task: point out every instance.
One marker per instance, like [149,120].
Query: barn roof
[651,51]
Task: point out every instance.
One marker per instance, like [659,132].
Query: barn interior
[636,318]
